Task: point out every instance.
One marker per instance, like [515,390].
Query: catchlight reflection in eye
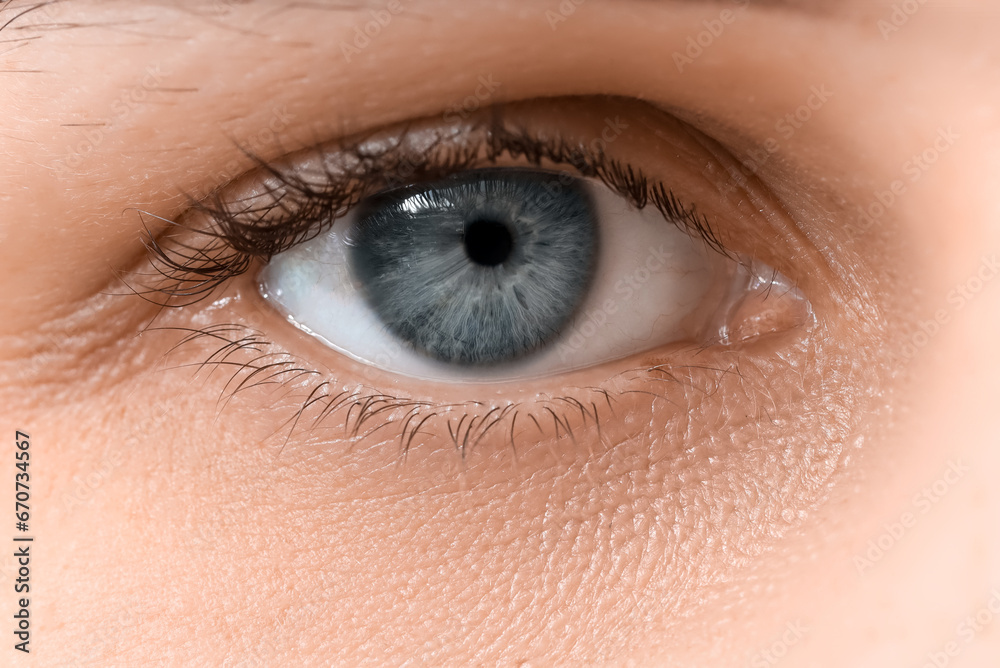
[502,273]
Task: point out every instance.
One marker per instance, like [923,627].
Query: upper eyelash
[237,237]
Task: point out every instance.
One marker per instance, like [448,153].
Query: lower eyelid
[359,403]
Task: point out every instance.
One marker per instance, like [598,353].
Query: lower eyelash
[352,410]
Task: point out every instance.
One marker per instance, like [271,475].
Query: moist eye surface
[481,268]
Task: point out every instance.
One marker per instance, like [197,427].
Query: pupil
[487,242]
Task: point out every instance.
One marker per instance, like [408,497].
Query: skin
[726,511]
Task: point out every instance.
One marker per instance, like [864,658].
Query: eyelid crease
[290,206]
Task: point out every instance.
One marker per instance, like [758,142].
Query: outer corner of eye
[758,302]
[504,273]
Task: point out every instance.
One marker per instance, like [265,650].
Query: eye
[501,273]
[507,247]
[479,270]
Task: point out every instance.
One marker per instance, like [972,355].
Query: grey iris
[481,268]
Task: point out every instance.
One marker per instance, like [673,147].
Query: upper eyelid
[234,232]
[169,161]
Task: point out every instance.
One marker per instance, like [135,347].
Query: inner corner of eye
[504,273]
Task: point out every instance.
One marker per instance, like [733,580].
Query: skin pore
[725,510]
